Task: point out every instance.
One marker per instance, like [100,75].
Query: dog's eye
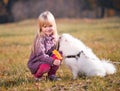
[60,37]
[65,40]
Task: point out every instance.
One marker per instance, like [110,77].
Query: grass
[102,35]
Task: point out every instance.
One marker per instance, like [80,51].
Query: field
[102,35]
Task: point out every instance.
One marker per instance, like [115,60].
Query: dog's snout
[60,37]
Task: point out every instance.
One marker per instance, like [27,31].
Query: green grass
[102,35]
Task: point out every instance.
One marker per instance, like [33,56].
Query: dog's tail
[109,67]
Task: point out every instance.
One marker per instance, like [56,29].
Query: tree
[108,4]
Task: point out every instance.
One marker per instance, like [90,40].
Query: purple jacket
[42,54]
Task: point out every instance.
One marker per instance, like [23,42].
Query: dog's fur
[87,63]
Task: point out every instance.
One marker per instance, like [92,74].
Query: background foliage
[16,10]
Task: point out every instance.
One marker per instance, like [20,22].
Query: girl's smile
[48,30]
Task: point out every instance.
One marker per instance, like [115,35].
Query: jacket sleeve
[41,55]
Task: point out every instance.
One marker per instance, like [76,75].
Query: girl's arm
[41,55]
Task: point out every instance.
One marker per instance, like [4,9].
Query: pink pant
[46,68]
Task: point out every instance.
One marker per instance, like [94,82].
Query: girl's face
[47,29]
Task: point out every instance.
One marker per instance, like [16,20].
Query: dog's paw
[75,76]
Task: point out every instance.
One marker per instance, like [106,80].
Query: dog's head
[65,38]
[67,44]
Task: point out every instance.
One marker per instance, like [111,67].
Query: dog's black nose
[60,37]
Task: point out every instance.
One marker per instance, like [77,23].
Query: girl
[41,60]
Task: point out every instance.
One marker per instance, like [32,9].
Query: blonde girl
[41,60]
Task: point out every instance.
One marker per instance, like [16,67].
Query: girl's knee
[44,68]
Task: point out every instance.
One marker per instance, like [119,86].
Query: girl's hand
[56,62]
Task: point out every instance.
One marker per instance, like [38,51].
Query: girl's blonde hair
[46,18]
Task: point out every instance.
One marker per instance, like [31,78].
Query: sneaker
[53,78]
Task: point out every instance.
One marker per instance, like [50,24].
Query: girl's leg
[43,68]
[53,70]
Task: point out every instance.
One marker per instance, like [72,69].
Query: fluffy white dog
[81,60]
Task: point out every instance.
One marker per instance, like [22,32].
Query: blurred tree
[5,11]
[24,9]
[5,2]
[109,6]
[116,4]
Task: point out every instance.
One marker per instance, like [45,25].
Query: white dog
[81,60]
